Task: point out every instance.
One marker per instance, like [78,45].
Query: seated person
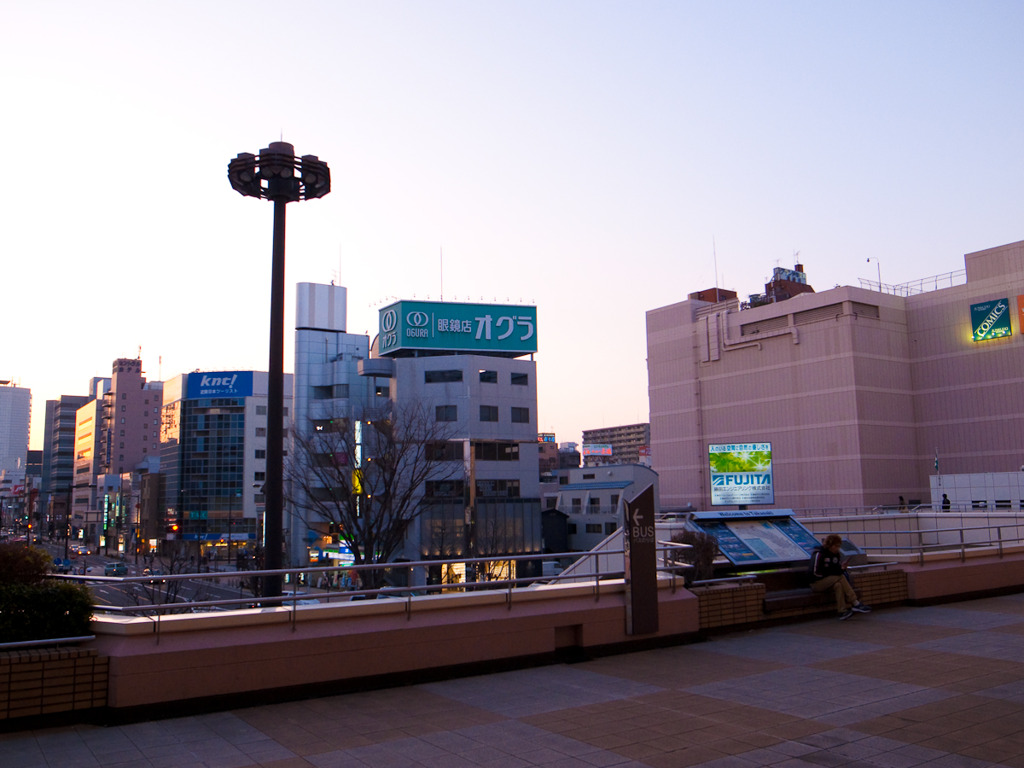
[828,570]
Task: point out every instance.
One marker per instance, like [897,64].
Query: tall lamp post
[276,174]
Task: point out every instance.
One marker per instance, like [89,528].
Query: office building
[59,461]
[327,386]
[15,416]
[851,397]
[115,432]
[213,462]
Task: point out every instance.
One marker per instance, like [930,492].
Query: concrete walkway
[937,686]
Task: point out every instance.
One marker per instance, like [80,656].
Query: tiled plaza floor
[937,686]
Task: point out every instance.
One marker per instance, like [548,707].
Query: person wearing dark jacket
[828,570]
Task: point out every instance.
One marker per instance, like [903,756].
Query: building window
[520,415]
[610,528]
[124,408]
[495,451]
[594,505]
[520,379]
[321,393]
[443,450]
[488,377]
[615,501]
[446,413]
[260,453]
[382,390]
[572,529]
[445,489]
[259,477]
[261,431]
[488,413]
[441,377]
[505,488]
[593,527]
[261,410]
[577,505]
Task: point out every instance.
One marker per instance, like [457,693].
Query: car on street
[115,569]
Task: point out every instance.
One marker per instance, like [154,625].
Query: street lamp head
[276,174]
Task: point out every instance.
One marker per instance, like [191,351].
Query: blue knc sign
[990,320]
[219,384]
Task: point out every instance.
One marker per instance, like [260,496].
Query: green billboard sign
[741,473]
[990,320]
[498,329]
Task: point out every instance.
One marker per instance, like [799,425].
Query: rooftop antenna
[714,254]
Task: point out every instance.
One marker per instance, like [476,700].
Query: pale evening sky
[581,156]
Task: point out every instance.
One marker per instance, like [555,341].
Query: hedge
[52,609]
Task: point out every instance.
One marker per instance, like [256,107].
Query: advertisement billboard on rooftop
[500,329]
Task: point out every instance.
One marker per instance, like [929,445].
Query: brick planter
[42,681]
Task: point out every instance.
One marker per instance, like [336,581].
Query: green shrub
[33,606]
[52,609]
[701,556]
[23,565]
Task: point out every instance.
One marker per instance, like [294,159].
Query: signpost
[641,565]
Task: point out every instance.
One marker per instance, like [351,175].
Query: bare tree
[367,476]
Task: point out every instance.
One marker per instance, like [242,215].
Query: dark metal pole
[275,410]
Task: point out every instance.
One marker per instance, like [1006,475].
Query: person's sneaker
[845,616]
[861,608]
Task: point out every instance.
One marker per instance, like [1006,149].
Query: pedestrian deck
[937,686]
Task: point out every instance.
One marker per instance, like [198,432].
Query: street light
[276,174]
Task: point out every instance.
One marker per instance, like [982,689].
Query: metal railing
[924,533]
[324,584]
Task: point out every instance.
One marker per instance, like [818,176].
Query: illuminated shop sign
[597,449]
[219,384]
[546,437]
[741,473]
[500,329]
[990,320]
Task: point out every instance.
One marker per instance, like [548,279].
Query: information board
[758,537]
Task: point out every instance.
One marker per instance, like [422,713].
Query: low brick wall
[44,681]
[724,605]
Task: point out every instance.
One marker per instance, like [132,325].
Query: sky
[596,159]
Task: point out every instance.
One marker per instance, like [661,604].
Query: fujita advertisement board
[741,473]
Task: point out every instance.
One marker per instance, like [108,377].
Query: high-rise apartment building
[59,461]
[629,443]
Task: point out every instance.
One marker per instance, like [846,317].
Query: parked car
[115,569]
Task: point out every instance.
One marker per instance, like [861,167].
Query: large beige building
[857,390]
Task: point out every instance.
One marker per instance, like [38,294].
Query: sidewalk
[937,686]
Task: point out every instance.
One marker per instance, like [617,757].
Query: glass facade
[203,462]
